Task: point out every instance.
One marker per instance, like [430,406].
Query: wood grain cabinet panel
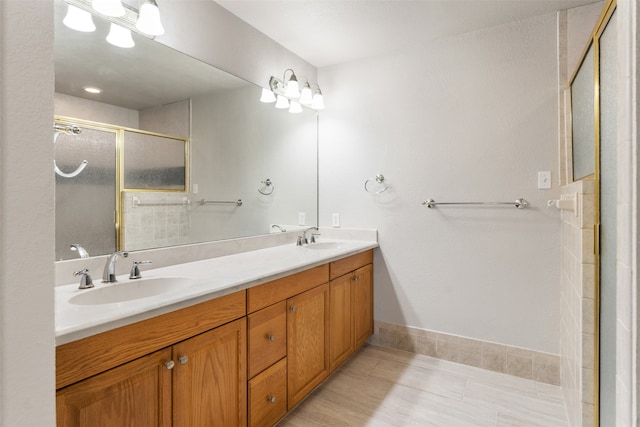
[362,305]
[268,396]
[135,394]
[210,379]
[341,342]
[307,342]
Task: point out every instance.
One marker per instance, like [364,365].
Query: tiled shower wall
[157,219]
[578,302]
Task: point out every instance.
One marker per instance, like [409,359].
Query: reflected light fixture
[120,36]
[287,93]
[79,20]
[149,19]
[108,7]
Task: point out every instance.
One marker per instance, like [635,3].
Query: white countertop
[211,278]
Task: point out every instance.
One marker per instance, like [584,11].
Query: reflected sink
[130,290]
[323,246]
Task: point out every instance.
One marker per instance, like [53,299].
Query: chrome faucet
[109,273]
[279,228]
[82,252]
[302,238]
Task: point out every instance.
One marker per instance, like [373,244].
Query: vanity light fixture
[149,19]
[79,20]
[120,36]
[295,107]
[108,7]
[288,95]
[282,102]
[146,21]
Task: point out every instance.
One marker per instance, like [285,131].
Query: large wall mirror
[248,165]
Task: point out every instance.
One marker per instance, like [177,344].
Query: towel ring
[268,184]
[380,180]
[69,130]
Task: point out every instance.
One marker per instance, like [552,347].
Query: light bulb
[79,20]
[108,7]
[318,101]
[282,102]
[292,89]
[305,95]
[149,19]
[267,96]
[119,36]
[295,107]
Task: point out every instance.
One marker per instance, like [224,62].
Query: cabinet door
[137,393]
[362,304]
[307,342]
[210,378]
[341,343]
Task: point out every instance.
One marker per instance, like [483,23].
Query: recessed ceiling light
[92,89]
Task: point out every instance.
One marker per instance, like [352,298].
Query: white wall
[471,117]
[26,214]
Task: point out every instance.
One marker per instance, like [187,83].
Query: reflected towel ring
[268,184]
[69,130]
[380,180]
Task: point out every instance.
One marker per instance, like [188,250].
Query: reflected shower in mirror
[234,142]
[582,119]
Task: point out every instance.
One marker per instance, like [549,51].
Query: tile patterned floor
[384,387]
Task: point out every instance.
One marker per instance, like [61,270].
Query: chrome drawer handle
[169,364]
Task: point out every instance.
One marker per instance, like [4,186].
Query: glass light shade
[267,96]
[282,102]
[318,102]
[292,89]
[108,7]
[79,20]
[295,107]
[149,20]
[305,95]
[119,36]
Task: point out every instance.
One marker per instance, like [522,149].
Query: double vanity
[229,341]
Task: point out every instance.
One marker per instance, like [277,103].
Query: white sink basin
[130,290]
[323,246]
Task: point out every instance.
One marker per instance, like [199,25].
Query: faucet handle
[135,271]
[85,281]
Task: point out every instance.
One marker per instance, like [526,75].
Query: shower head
[68,129]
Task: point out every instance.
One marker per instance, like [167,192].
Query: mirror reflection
[154,96]
[582,119]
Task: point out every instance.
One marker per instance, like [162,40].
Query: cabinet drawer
[346,265]
[267,337]
[280,289]
[268,395]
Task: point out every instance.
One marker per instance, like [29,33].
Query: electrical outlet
[302,218]
[335,220]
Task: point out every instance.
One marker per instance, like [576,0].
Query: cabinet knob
[271,338]
[183,359]
[292,308]
[271,399]
[169,364]
[356,278]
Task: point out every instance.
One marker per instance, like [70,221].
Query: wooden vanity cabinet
[192,371]
[351,306]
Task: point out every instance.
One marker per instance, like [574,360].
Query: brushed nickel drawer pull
[271,399]
[169,364]
[183,359]
[271,338]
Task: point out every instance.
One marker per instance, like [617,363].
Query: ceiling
[329,32]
